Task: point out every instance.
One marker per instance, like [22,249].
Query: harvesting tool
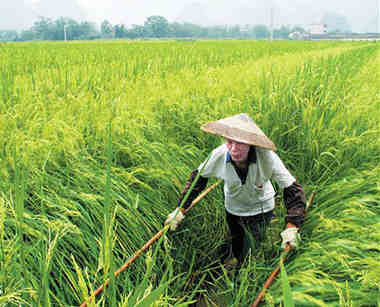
[274,273]
[148,244]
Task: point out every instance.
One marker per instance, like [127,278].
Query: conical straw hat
[240,128]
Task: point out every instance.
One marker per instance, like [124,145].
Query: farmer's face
[238,151]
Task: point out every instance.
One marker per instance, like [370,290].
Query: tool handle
[274,273]
[148,244]
[200,196]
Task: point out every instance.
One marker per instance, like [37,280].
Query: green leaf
[286,290]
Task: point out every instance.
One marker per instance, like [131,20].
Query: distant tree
[281,33]
[136,31]
[204,32]
[27,35]
[234,31]
[154,26]
[245,31]
[261,31]
[217,31]
[106,29]
[43,28]
[177,29]
[73,29]
[185,30]
[197,30]
[8,35]
[88,31]
[57,29]
[157,26]
[47,29]
[120,31]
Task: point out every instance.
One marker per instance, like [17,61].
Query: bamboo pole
[274,273]
[148,244]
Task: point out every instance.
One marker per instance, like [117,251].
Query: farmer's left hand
[290,235]
[175,218]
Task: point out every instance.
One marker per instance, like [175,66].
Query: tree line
[153,27]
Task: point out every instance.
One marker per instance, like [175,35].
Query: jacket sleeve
[295,203]
[198,188]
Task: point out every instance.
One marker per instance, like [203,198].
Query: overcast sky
[359,13]
[138,10]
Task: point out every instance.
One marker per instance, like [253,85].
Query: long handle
[148,244]
[274,273]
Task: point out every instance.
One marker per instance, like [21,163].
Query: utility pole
[271,22]
[378,17]
[65,32]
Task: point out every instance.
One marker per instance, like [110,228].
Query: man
[246,162]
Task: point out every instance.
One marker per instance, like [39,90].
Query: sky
[136,10]
[359,13]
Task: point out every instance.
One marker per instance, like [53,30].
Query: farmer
[246,162]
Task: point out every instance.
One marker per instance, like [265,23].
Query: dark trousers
[244,227]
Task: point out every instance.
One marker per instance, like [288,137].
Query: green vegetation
[97,140]
[154,27]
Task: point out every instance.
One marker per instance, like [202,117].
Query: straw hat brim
[247,132]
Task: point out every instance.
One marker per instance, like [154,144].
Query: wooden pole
[148,244]
[273,275]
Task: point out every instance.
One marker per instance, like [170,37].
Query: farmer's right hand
[174,218]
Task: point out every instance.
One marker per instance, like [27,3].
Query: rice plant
[98,139]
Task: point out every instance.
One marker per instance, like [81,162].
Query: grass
[98,139]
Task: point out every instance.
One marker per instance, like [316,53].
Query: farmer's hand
[290,235]
[174,218]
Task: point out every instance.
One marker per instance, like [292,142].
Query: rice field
[97,140]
